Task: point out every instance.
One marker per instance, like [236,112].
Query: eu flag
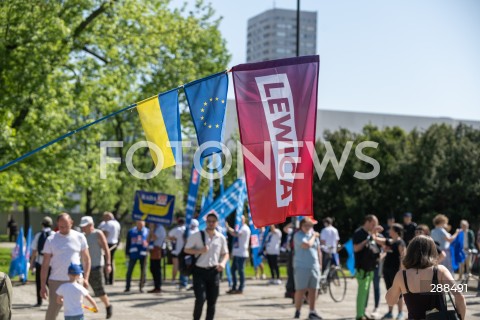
[207,99]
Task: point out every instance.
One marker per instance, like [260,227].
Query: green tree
[65,64]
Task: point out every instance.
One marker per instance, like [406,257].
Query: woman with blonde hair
[415,282]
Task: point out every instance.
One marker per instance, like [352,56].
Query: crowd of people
[408,257]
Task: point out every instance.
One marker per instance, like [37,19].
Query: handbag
[443,313]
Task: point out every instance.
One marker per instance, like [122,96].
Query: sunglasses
[211,221]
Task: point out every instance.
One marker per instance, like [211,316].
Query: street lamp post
[298,28]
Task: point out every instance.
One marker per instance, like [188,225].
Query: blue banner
[207,99]
[195,178]
[153,207]
[351,256]
[241,204]
[456,251]
[18,263]
[225,204]
[255,241]
[28,252]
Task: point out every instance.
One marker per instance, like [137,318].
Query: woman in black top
[395,248]
[415,282]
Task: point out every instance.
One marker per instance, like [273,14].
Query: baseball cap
[194,223]
[212,213]
[75,269]
[407,214]
[310,220]
[85,221]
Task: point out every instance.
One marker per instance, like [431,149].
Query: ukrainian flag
[160,120]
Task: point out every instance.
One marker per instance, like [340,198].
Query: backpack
[186,262]
[5,297]
[369,256]
[41,241]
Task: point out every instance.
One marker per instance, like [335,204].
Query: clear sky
[385,56]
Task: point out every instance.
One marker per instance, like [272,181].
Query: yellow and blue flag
[207,99]
[160,120]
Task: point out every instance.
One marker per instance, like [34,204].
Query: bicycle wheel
[337,284]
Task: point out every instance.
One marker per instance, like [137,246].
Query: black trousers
[109,278]
[156,271]
[290,286]
[273,264]
[206,285]
[38,272]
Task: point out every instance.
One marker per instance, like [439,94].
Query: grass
[121,267]
[5,257]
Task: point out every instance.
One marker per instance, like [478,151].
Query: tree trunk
[88,203]
[26,219]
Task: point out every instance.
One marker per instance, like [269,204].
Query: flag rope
[71,133]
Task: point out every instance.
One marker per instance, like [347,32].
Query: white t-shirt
[39,257]
[217,247]
[241,242]
[72,293]
[331,238]
[272,243]
[161,234]
[112,227]
[65,249]
[178,233]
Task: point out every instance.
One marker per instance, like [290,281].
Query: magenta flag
[277,109]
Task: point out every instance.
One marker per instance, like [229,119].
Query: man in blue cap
[409,227]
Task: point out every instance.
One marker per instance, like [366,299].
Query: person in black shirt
[408,227]
[395,248]
[363,238]
[12,229]
[386,228]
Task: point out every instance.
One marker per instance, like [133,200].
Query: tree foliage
[66,63]
[430,172]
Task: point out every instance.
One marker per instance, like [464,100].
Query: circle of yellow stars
[204,109]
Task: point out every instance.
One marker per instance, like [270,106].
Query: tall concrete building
[273,35]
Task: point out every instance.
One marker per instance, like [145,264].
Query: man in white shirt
[329,240]
[36,259]
[212,258]
[111,228]
[61,249]
[177,235]
[241,243]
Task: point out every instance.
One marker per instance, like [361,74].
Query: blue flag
[456,251]
[225,204]
[28,253]
[219,159]
[207,99]
[192,197]
[255,241]
[351,256]
[239,211]
[18,263]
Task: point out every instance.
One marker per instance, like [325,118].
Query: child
[71,295]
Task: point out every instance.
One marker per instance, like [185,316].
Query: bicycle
[334,280]
[474,257]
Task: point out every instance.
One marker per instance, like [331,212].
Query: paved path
[259,301]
